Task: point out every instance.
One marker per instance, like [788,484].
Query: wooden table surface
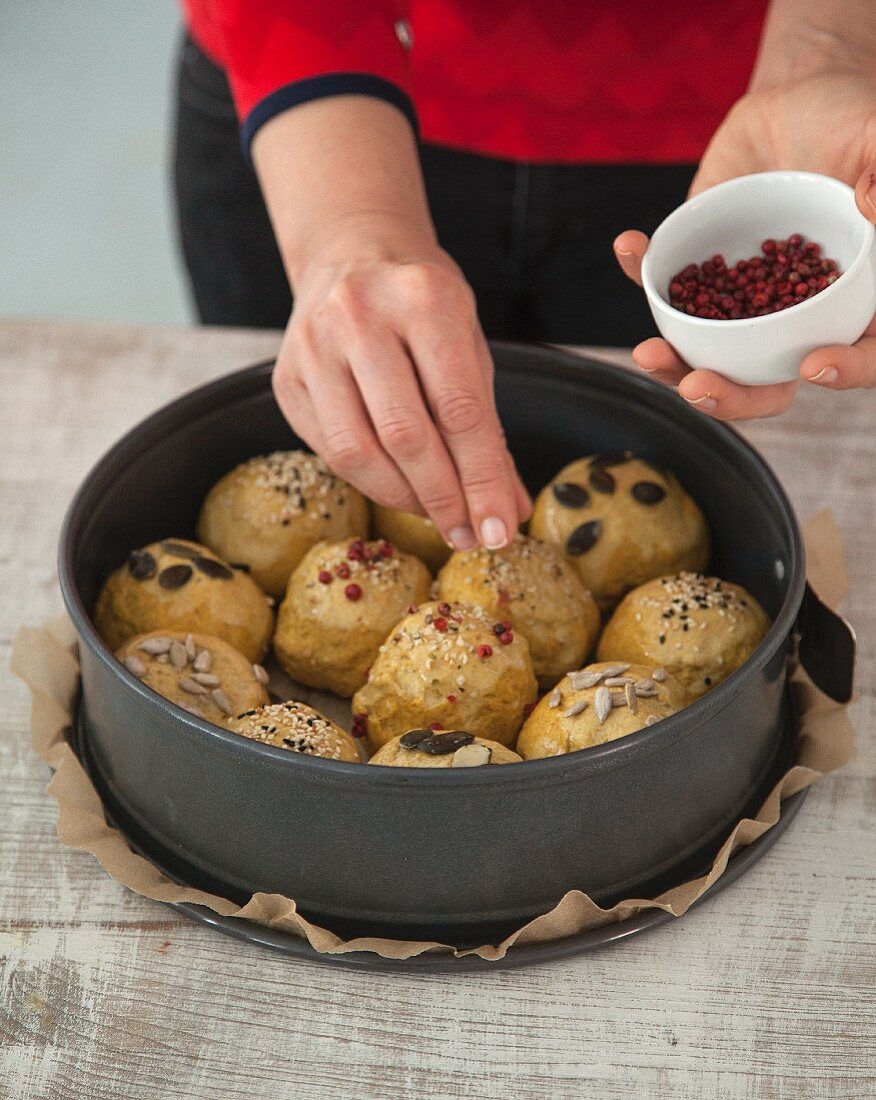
[766,991]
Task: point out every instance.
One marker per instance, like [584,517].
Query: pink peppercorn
[484,651]
[325,577]
[353,592]
[787,272]
[440,624]
[507,638]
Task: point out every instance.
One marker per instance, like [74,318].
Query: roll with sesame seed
[268,512]
[699,628]
[341,602]
[443,667]
[298,728]
[532,586]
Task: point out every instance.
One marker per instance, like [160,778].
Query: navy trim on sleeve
[320,87]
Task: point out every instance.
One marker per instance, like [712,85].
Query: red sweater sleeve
[278,53]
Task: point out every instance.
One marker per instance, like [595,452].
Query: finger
[630,248]
[659,359]
[392,396]
[453,376]
[346,437]
[865,193]
[521,493]
[725,400]
[843,368]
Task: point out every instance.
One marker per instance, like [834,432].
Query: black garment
[533,240]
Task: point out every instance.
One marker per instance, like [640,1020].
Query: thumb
[865,193]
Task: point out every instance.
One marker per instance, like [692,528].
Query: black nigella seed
[601,480]
[648,492]
[571,495]
[439,744]
[212,568]
[141,565]
[610,458]
[171,546]
[708,681]
[412,738]
[175,576]
[583,538]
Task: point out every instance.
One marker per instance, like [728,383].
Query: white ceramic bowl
[733,218]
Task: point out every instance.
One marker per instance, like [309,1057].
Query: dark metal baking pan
[408,848]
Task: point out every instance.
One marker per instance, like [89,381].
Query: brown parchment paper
[46,659]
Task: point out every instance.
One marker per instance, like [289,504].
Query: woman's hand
[385,372]
[826,124]
[384,369]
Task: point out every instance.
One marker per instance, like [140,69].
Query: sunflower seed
[618,681]
[190,709]
[646,693]
[556,697]
[632,701]
[651,720]
[222,701]
[178,656]
[204,661]
[618,699]
[615,670]
[155,645]
[190,647]
[192,686]
[134,665]
[602,703]
[659,674]
[582,680]
[645,685]
[261,674]
[208,679]
[584,538]
[471,756]
[162,658]
[575,708]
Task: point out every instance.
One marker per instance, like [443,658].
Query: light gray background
[86,228]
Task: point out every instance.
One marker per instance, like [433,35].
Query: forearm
[343,169]
[809,40]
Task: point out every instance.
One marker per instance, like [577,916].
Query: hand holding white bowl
[826,125]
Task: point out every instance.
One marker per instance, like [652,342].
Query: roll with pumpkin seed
[621,521]
[202,674]
[442,749]
[175,585]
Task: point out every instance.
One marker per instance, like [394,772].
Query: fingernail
[825,376]
[706,402]
[494,533]
[462,538]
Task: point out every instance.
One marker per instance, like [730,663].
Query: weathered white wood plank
[766,992]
